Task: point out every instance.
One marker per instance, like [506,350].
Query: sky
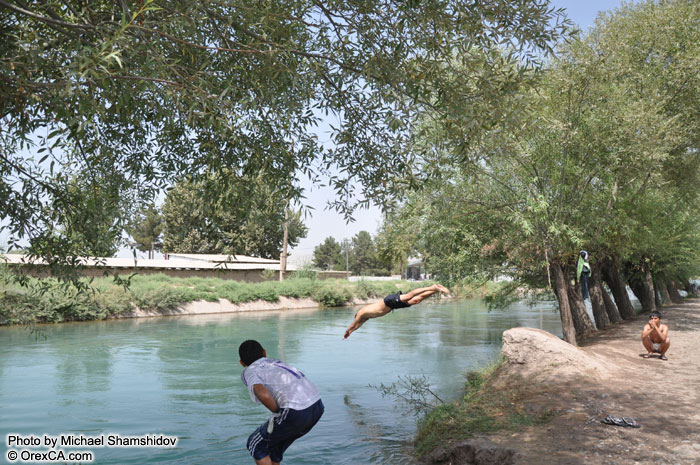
[324,223]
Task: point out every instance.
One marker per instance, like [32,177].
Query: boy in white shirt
[287,393]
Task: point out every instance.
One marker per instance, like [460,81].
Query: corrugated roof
[100,262]
[221,258]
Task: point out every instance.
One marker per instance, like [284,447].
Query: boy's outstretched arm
[356,323]
[265,397]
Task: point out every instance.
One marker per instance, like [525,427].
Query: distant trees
[245,216]
[88,222]
[363,258]
[146,231]
[329,255]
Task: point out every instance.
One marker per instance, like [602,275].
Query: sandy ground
[606,375]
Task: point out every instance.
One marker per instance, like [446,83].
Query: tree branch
[26,173]
[203,47]
[45,19]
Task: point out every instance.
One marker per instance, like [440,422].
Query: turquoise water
[179,376]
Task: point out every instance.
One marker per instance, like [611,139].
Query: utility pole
[285,237]
[346,244]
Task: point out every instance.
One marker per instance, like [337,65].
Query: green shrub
[364,289]
[298,288]
[269,275]
[48,300]
[329,295]
[482,409]
[305,272]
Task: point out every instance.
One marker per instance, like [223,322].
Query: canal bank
[578,387]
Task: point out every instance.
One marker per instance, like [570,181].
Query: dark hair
[655,314]
[250,351]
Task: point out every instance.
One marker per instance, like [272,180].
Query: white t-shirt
[289,386]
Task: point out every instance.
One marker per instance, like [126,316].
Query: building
[236,267]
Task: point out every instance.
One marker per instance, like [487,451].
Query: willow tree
[596,143]
[157,89]
[656,45]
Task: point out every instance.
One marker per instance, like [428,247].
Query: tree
[246,217]
[397,240]
[158,89]
[329,256]
[146,231]
[591,159]
[363,254]
[89,219]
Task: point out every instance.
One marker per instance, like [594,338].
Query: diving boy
[285,391]
[392,302]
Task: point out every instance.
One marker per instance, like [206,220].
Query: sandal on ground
[611,420]
[631,422]
[647,355]
[663,357]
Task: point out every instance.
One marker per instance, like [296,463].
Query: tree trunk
[690,288]
[649,286]
[582,322]
[560,289]
[643,288]
[673,292]
[663,292]
[285,236]
[610,307]
[597,302]
[657,296]
[635,284]
[612,277]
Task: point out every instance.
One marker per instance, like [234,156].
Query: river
[180,376]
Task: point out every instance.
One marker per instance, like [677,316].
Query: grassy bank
[482,409]
[48,300]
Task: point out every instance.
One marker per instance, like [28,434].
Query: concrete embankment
[202,307]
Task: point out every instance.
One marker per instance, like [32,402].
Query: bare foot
[442,289]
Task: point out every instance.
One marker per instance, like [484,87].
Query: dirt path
[663,396]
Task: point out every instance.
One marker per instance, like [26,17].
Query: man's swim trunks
[657,347]
[393,301]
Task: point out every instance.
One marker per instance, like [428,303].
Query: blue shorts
[393,301]
[290,425]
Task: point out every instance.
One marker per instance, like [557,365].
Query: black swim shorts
[289,426]
[394,301]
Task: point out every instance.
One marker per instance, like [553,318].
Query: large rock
[536,352]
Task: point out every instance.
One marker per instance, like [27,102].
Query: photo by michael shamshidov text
[80,440]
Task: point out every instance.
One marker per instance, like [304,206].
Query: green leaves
[153,91]
[228,214]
